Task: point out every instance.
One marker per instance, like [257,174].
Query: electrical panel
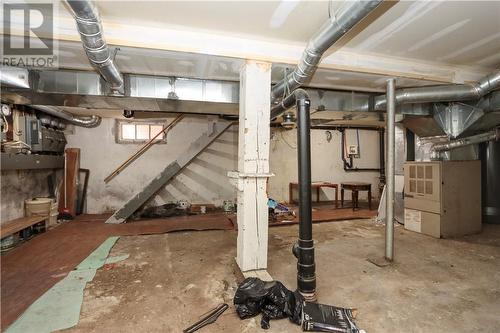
[42,136]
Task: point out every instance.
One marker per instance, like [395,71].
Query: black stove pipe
[304,249]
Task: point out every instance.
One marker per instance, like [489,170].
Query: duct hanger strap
[90,29]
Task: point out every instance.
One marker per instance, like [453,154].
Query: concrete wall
[326,162]
[19,185]
[203,181]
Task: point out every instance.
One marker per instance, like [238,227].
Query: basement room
[250,166]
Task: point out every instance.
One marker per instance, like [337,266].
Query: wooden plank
[71,176]
[19,224]
[30,162]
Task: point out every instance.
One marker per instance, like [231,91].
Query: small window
[139,131]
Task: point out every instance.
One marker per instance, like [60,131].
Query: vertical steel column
[390,171]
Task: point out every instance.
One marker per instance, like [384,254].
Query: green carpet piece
[59,308]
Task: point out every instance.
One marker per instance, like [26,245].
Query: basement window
[137,131]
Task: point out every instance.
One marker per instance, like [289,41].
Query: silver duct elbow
[439,148]
[337,26]
[16,77]
[90,29]
[89,122]
[445,93]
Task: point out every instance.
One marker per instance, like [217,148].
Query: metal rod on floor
[390,165]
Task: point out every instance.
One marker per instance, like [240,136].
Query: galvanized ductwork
[439,148]
[445,93]
[89,122]
[15,77]
[89,26]
[337,26]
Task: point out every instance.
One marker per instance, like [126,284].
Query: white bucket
[38,206]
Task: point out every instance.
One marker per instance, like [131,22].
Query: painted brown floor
[32,268]
[168,281]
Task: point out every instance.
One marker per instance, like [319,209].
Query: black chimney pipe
[304,248]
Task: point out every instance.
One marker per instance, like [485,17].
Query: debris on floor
[209,318]
[275,301]
[278,211]
[327,318]
[272,299]
[166,210]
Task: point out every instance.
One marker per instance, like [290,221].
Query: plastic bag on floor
[272,299]
[275,301]
[327,318]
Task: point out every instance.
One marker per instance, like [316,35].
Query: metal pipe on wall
[438,148]
[445,93]
[304,249]
[337,26]
[89,122]
[390,171]
[90,29]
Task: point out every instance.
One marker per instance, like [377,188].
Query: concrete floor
[170,280]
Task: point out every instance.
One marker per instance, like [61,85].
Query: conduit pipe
[89,122]
[390,172]
[337,26]
[445,93]
[89,27]
[438,148]
[304,248]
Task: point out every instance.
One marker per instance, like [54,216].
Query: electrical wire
[287,143]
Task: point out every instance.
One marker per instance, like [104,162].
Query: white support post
[253,165]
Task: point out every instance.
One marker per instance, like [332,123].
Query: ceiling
[183,64]
[452,32]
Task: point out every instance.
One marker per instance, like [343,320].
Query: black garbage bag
[272,299]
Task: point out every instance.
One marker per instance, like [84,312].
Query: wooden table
[355,188]
[317,186]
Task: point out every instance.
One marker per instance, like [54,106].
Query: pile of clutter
[275,301]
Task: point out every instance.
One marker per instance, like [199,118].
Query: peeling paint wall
[19,185]
[203,181]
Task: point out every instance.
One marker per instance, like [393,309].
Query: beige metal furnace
[443,198]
